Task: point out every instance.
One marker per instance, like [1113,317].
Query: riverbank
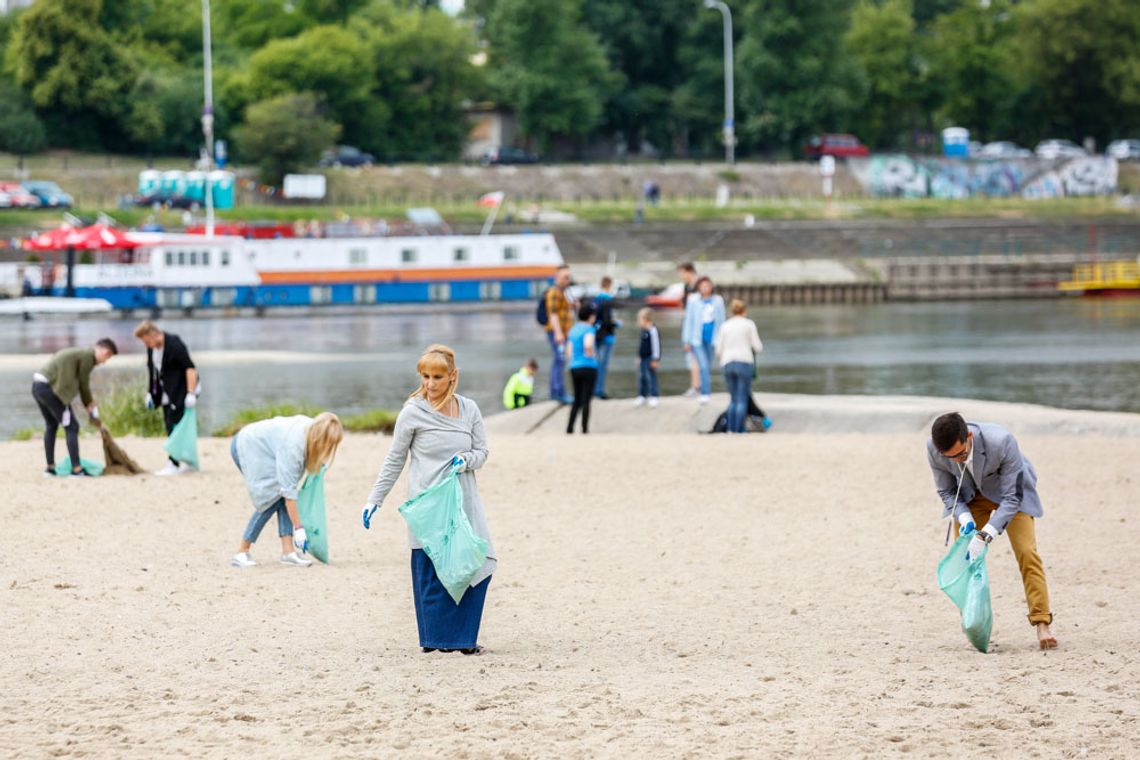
[662,594]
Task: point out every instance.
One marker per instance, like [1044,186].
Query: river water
[1076,353]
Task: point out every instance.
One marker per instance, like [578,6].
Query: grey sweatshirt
[433,439]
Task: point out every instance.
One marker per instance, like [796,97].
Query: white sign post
[827,170]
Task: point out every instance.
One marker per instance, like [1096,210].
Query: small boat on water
[671,297]
[35,306]
[1109,278]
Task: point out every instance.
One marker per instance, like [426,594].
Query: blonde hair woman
[274,456]
[737,344]
[439,430]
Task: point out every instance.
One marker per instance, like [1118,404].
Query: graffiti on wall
[894,176]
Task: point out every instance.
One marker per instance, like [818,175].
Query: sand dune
[659,596]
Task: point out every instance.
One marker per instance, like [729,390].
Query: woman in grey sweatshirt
[440,429]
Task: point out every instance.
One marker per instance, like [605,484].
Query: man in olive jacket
[53,387]
[172,381]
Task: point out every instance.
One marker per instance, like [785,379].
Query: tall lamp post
[208,114]
[729,125]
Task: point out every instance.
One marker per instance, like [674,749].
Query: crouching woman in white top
[737,345]
[273,456]
[440,429]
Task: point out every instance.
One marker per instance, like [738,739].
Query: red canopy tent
[95,237]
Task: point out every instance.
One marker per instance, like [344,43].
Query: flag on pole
[491,200]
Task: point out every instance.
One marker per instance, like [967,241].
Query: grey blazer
[1004,476]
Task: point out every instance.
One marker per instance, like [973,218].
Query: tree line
[395,77]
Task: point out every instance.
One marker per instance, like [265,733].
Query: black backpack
[540,314]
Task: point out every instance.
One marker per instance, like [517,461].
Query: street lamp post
[208,114]
[729,121]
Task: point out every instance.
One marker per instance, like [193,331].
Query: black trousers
[52,409]
[584,379]
[171,416]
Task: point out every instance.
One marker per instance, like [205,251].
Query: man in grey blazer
[985,481]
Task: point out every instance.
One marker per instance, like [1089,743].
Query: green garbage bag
[92,467]
[437,520]
[183,441]
[967,583]
[311,507]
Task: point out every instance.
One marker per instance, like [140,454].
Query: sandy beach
[665,595]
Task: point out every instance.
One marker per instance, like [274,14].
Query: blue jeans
[647,380]
[738,378]
[704,353]
[605,349]
[259,519]
[557,368]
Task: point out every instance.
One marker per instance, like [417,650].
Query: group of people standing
[581,336]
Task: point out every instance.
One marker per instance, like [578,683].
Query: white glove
[191,401]
[148,401]
[458,463]
[977,544]
[94,412]
[300,540]
[966,522]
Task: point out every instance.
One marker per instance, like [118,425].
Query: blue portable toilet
[956,142]
[150,181]
[173,183]
[222,189]
[196,186]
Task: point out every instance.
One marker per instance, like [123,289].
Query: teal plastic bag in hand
[437,520]
[183,441]
[92,467]
[311,507]
[967,583]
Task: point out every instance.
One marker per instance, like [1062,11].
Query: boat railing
[1107,274]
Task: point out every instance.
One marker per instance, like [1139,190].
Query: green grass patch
[256,414]
[123,410]
[374,421]
[24,434]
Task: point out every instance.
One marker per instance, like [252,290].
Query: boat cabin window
[358,256]
[462,254]
[408,256]
[205,258]
[182,258]
[169,258]
[193,258]
[510,253]
[225,258]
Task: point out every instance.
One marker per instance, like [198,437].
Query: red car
[840,146]
[15,196]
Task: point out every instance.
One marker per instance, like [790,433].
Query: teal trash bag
[92,467]
[967,583]
[183,441]
[311,507]
[437,520]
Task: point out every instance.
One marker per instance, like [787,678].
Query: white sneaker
[294,559]
[653,402]
[690,393]
[639,401]
[184,468]
[168,469]
[242,559]
[704,400]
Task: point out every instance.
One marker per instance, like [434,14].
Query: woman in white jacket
[737,345]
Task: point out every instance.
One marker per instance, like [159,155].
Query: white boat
[45,305]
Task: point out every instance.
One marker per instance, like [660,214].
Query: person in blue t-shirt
[581,355]
[704,314]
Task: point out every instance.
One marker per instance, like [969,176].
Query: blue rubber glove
[966,523]
[366,514]
[458,463]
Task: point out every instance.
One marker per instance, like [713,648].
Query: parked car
[1004,149]
[1052,149]
[346,155]
[839,146]
[1124,150]
[503,155]
[18,197]
[50,194]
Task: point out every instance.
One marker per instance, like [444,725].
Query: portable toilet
[150,181]
[222,189]
[196,186]
[173,183]
[956,142]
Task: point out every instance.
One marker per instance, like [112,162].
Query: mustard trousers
[1023,540]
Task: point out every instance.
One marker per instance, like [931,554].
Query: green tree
[284,134]
[883,46]
[972,60]
[333,63]
[73,71]
[423,74]
[548,67]
[21,131]
[792,76]
[1081,64]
